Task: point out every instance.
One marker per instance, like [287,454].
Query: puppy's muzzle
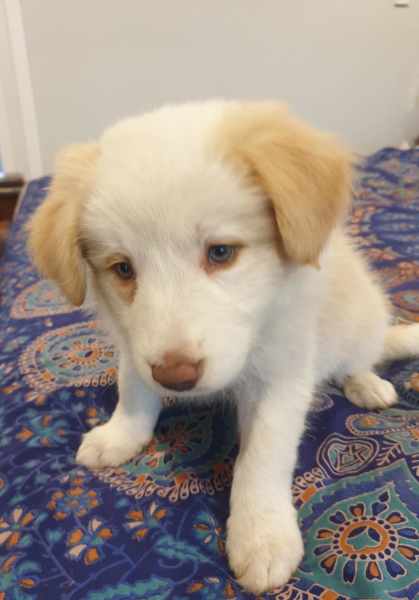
[177,372]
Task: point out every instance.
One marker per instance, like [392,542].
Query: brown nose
[177,372]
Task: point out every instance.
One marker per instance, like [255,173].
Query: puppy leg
[130,427]
[361,385]
[368,390]
[264,543]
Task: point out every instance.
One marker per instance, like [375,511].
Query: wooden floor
[4,226]
[10,188]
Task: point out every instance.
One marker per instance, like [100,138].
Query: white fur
[267,330]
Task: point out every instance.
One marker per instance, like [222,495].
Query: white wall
[350,66]
[12,137]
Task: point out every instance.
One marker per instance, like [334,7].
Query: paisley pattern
[341,455]
[155,527]
[40,300]
[75,355]
[187,456]
[366,538]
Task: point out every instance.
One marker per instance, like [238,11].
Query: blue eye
[124,270]
[220,253]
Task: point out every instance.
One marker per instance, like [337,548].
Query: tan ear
[306,174]
[54,230]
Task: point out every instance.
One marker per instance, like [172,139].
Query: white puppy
[209,237]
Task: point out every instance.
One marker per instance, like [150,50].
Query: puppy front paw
[109,445]
[263,552]
[368,390]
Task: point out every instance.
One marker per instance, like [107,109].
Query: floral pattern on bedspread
[155,527]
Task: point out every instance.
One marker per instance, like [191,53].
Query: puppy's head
[184,224]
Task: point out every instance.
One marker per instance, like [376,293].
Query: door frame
[19,134]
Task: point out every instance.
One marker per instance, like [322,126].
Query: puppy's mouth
[183,386]
[184,390]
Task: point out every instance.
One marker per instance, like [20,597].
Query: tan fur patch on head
[125,289]
[306,174]
[54,230]
[103,266]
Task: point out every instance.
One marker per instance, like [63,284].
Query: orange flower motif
[12,578]
[140,524]
[11,388]
[11,529]
[75,500]
[88,545]
[94,416]
[42,431]
[215,586]
[209,531]
[24,434]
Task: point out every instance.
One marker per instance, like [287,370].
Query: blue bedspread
[155,528]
